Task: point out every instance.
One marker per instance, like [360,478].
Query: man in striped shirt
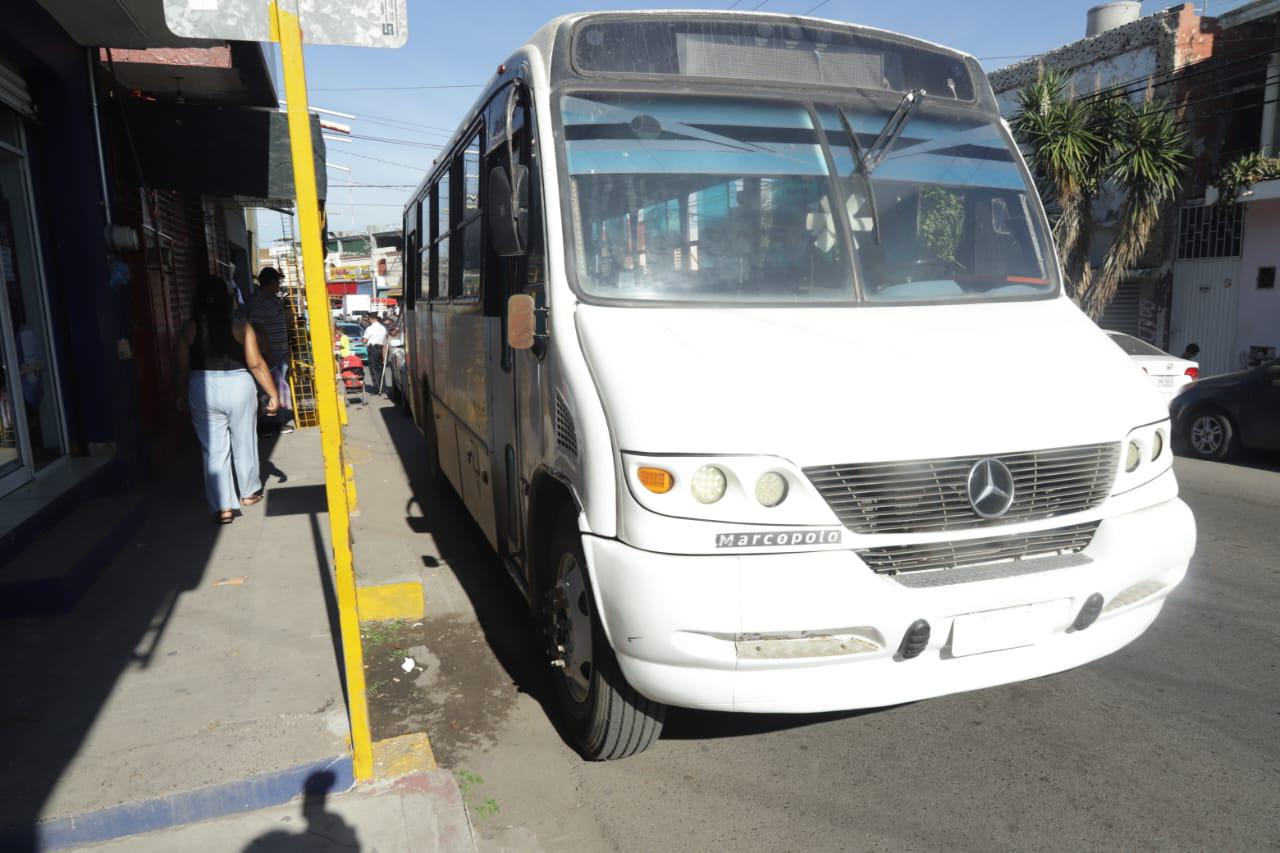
[265,310]
[267,314]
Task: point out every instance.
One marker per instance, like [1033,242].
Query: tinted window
[471,177]
[425,263]
[442,269]
[1134,346]
[471,259]
[442,205]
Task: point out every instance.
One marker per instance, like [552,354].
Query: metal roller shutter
[1121,315]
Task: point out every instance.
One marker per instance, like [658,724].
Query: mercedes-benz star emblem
[990,488]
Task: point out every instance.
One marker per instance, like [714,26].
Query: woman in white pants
[218,356]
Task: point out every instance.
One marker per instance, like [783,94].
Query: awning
[214,150]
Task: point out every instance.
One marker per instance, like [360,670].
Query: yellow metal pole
[289,30]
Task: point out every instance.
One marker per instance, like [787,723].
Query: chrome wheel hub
[569,607]
[1206,434]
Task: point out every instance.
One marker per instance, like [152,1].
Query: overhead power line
[388,162]
[1173,75]
[387,140]
[406,126]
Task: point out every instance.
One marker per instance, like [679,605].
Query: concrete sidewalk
[199,676]
[421,813]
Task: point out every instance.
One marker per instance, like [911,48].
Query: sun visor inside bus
[767,51]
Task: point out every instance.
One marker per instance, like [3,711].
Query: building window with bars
[1210,231]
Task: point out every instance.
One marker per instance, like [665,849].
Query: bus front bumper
[820,631]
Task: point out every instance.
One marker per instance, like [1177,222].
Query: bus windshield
[718,199]
[945,215]
[700,199]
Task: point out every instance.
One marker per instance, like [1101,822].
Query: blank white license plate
[1165,381]
[1010,628]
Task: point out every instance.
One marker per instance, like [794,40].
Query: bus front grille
[966,552]
[931,495]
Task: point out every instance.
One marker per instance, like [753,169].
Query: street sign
[355,23]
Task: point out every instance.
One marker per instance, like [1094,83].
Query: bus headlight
[708,485]
[1132,456]
[771,488]
[1146,456]
[735,489]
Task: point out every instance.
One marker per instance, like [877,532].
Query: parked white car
[1169,374]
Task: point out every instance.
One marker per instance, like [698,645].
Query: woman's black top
[215,348]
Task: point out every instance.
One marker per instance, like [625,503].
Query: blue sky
[460,42]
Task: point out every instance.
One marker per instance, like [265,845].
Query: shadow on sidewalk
[324,830]
[60,671]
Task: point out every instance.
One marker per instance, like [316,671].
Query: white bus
[741,337]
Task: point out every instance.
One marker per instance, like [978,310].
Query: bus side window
[415,281]
[469,226]
[440,237]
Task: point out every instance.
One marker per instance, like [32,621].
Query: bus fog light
[1133,457]
[1157,444]
[709,484]
[771,488]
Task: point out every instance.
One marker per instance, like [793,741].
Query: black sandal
[226,516]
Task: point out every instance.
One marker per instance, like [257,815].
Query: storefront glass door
[31,428]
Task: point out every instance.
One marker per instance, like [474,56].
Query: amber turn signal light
[656,480]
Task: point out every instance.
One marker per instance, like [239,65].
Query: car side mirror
[522,321]
[509,210]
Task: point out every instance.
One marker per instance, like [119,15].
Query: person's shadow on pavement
[324,831]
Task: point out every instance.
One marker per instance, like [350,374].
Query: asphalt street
[1171,743]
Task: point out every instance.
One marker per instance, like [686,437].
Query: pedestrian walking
[219,359]
[375,339]
[271,321]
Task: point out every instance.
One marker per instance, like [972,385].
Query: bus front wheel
[605,716]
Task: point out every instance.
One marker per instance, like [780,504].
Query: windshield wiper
[861,167]
[892,129]
[867,160]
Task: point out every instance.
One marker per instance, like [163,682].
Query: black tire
[434,474]
[613,721]
[1210,434]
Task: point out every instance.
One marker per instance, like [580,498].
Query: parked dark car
[1215,416]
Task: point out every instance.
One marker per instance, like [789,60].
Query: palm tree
[1079,145]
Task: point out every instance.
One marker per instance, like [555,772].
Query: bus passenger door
[515,375]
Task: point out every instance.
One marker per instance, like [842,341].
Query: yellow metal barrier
[326,382]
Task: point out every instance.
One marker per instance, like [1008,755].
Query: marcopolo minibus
[743,340]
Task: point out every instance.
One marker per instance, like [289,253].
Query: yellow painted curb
[390,601]
[400,756]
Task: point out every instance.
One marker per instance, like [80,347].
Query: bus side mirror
[509,210]
[521,321]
